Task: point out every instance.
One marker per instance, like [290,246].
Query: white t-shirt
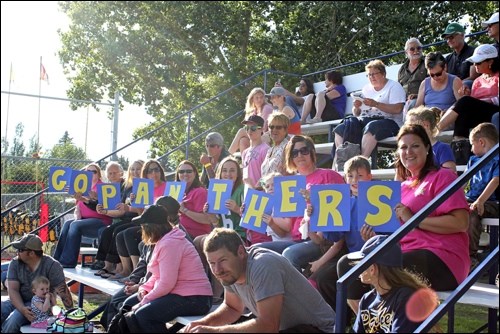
[391,93]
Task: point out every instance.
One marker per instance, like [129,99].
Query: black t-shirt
[457,64]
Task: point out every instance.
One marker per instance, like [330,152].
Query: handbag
[345,152]
[74,320]
[461,150]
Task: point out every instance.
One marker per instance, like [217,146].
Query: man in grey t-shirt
[30,263]
[279,297]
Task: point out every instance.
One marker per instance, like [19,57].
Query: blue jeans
[300,254]
[12,319]
[152,317]
[68,246]
[277,246]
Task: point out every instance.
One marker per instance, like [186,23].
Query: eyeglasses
[303,151]
[92,170]
[436,74]
[450,37]
[252,127]
[211,145]
[277,127]
[372,74]
[302,85]
[418,48]
[185,171]
[153,170]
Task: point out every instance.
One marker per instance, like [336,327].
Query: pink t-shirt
[452,249]
[175,268]
[87,212]
[484,88]
[194,200]
[159,190]
[252,159]
[319,176]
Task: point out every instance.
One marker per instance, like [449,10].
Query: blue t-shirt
[340,102]
[481,179]
[384,314]
[442,153]
[353,239]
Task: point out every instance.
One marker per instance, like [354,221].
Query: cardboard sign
[331,207]
[80,182]
[109,195]
[143,189]
[376,202]
[59,178]
[175,189]
[256,204]
[288,200]
[219,191]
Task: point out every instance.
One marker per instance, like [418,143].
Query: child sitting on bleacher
[428,118]
[483,187]
[42,301]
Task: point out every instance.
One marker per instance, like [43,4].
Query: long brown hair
[402,173]
[239,177]
[196,182]
[290,165]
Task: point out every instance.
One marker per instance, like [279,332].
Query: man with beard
[30,263]
[279,297]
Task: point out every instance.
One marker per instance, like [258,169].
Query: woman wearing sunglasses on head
[275,157]
[193,219]
[441,89]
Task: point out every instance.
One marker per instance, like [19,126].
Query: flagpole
[39,101]
[8,104]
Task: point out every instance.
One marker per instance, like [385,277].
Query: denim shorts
[380,128]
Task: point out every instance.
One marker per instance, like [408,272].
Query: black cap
[154,214]
[254,119]
[169,203]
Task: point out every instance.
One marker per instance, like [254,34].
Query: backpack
[72,321]
[345,152]
[124,321]
[461,150]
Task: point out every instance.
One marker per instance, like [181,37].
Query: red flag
[43,74]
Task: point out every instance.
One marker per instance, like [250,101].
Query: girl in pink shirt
[178,284]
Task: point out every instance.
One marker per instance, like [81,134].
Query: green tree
[171,56]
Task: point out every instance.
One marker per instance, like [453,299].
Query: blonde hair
[40,280]
[485,130]
[250,105]
[376,64]
[426,114]
[129,181]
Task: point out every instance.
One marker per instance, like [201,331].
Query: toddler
[42,301]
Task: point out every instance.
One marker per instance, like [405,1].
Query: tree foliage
[171,56]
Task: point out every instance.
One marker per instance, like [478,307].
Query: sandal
[108,274]
[116,277]
[98,265]
[101,272]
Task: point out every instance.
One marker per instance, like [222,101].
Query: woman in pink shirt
[193,219]
[178,284]
[87,223]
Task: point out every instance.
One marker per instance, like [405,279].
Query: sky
[29,31]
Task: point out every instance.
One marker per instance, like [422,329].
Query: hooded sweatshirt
[175,268]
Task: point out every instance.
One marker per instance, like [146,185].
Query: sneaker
[314,120]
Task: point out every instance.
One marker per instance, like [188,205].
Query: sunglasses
[436,74]
[212,145]
[185,171]
[252,127]
[22,250]
[418,48]
[153,170]
[277,127]
[92,170]
[450,37]
[303,151]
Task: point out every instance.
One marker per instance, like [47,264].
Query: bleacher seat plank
[87,277]
[188,319]
[480,294]
[318,128]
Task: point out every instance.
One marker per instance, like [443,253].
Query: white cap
[483,52]
[493,19]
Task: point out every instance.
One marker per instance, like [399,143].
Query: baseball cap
[483,52]
[493,19]
[169,203]
[453,28]
[393,257]
[214,138]
[154,214]
[277,91]
[29,241]
[256,119]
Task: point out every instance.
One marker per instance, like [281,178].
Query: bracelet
[208,164]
